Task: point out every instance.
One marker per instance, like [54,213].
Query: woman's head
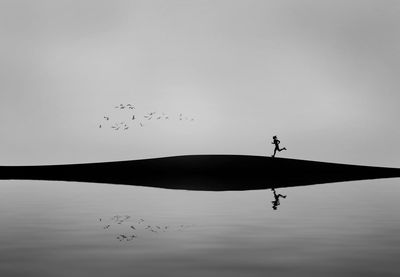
[274,137]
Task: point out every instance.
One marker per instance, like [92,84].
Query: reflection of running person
[276,202]
[276,143]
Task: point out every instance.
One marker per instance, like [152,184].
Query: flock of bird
[137,226]
[141,121]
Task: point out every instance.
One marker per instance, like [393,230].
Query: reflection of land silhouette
[203,172]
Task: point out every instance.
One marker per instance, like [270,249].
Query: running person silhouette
[276,202]
[276,143]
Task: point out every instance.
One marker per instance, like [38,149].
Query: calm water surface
[82,229]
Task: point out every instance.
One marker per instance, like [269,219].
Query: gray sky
[322,75]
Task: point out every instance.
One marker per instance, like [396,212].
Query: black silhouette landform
[203,172]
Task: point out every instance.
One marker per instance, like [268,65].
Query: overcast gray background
[322,75]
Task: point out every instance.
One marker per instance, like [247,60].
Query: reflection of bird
[131,237]
[121,237]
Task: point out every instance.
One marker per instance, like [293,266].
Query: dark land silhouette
[203,172]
